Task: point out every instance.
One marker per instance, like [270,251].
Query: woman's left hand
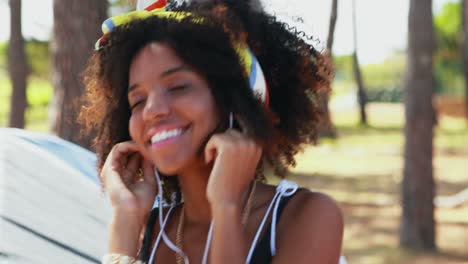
[235,157]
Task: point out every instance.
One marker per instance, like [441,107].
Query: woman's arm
[310,231]
[124,233]
[131,196]
[235,157]
[229,239]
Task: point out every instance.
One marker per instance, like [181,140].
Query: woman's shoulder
[314,208]
[313,219]
[313,205]
[303,202]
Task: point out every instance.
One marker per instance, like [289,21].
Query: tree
[17,66]
[326,127]
[464,16]
[77,26]
[362,98]
[331,26]
[417,228]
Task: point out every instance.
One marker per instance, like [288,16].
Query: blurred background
[394,141]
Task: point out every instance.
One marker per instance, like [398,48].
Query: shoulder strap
[148,237]
[262,253]
[283,190]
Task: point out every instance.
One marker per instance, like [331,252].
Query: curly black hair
[295,73]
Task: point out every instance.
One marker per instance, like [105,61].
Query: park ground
[362,171]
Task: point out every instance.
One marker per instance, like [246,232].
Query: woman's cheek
[135,129]
[137,133]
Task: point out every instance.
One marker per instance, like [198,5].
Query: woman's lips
[166,137]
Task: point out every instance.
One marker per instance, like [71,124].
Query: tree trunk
[465,51]
[331,27]
[326,126]
[417,223]
[77,26]
[18,67]
[362,97]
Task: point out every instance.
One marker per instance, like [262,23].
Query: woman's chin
[175,166]
[167,171]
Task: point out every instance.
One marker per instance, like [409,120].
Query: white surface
[50,212]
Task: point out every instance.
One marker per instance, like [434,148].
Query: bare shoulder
[315,207]
[312,206]
[314,222]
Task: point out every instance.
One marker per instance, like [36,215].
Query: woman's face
[173,110]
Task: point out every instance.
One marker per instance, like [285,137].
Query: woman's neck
[193,182]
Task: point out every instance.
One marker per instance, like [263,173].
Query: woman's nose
[156,107]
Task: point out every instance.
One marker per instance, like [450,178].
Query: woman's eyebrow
[174,70]
[163,74]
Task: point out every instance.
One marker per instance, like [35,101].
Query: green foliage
[448,30]
[38,58]
[383,81]
[388,95]
[449,77]
[3,57]
[37,53]
[387,74]
[38,93]
[448,58]
[343,67]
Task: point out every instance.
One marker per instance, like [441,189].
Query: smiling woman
[190,101]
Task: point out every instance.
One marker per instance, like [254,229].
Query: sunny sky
[382,24]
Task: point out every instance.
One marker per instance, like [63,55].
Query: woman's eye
[176,88]
[134,105]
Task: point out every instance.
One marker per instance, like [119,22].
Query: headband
[151,8]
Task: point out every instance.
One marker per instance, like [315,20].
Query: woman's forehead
[155,52]
[154,58]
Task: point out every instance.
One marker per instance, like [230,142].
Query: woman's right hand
[128,192]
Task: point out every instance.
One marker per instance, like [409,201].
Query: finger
[114,162]
[119,154]
[234,134]
[211,148]
[148,172]
[130,171]
[112,180]
[133,163]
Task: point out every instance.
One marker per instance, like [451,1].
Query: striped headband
[150,8]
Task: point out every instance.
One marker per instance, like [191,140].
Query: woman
[189,105]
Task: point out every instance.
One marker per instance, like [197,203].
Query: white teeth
[165,135]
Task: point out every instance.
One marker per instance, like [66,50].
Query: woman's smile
[166,137]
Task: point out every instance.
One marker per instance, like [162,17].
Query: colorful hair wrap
[150,8]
